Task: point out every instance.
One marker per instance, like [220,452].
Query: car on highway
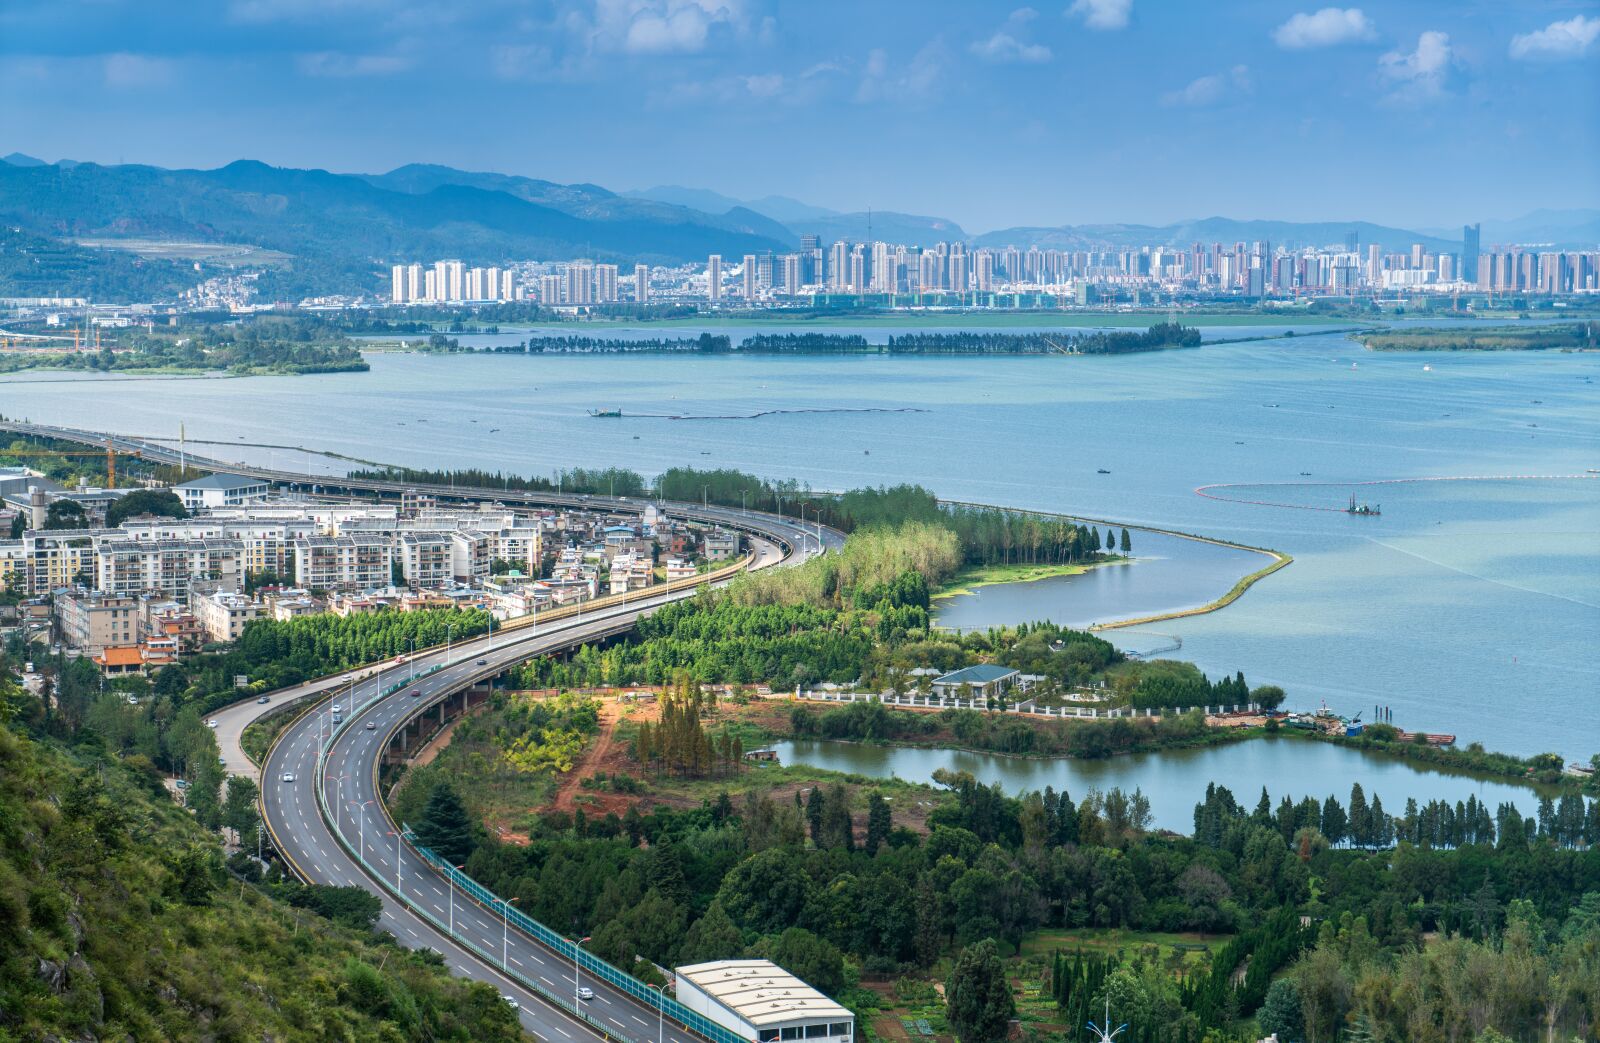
[511,1001]
[337,708]
[211,723]
[372,725]
[263,701]
[338,718]
[347,678]
[288,776]
[483,662]
[586,993]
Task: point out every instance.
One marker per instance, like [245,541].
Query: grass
[975,576]
[1176,951]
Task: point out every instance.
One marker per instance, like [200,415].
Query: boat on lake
[605,412]
[1363,509]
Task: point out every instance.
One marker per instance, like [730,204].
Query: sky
[1417,114]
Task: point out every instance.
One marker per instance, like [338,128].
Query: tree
[1127,543]
[1280,1013]
[978,1000]
[162,503]
[712,937]
[815,961]
[879,822]
[445,827]
[65,514]
[239,809]
[1267,696]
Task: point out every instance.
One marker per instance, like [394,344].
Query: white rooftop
[760,992]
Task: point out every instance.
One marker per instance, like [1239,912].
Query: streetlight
[450,878]
[661,1010]
[448,631]
[338,796]
[413,660]
[398,889]
[505,932]
[362,828]
[576,945]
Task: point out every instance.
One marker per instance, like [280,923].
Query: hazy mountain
[886,225]
[343,228]
[1571,229]
[779,208]
[20,159]
[1213,230]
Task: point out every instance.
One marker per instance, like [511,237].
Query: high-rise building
[751,286]
[641,283]
[838,274]
[414,287]
[983,263]
[507,286]
[958,268]
[580,284]
[1469,252]
[455,275]
[605,284]
[791,274]
[397,291]
[549,290]
[884,274]
[764,271]
[857,281]
[714,277]
[430,285]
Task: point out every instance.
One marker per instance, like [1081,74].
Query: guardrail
[571,951]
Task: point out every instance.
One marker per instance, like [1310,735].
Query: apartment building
[361,562]
[90,622]
[221,490]
[224,613]
[427,559]
[128,566]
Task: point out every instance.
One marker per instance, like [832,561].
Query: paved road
[349,769]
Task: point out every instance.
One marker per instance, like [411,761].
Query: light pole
[505,932]
[448,631]
[451,880]
[362,828]
[412,662]
[338,781]
[398,889]
[661,1011]
[577,944]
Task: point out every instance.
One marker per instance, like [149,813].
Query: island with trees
[1563,336]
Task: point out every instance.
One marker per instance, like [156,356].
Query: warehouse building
[762,1002]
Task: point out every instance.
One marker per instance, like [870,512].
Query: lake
[1468,607]
[1175,780]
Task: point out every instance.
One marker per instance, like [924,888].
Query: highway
[481,945]
[326,834]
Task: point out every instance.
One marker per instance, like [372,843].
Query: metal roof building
[762,1002]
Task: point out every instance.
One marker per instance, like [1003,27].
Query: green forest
[1573,336]
[264,344]
[120,918]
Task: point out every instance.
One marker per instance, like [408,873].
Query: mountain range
[342,230]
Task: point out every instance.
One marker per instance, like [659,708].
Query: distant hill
[1577,229]
[19,159]
[778,208]
[342,229]
[886,225]
[1211,230]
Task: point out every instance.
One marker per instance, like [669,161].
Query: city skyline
[1121,110]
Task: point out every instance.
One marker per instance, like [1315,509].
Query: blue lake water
[1470,607]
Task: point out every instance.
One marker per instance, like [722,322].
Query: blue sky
[1415,114]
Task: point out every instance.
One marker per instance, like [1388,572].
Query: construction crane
[111,454]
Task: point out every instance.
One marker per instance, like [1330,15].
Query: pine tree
[445,827]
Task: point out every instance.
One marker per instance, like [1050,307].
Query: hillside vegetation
[118,921]
[1576,336]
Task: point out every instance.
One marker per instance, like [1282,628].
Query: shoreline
[1279,560]
[959,587]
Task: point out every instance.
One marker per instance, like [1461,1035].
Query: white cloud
[337,64]
[1006,45]
[1209,90]
[916,81]
[1324,28]
[764,86]
[1558,40]
[665,26]
[1420,75]
[135,70]
[1102,14]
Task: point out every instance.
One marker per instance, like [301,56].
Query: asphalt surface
[504,957]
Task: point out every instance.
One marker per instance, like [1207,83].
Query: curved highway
[341,834]
[472,938]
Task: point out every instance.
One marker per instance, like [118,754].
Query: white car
[586,993]
[511,1001]
[288,776]
[211,723]
[337,708]
[372,726]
